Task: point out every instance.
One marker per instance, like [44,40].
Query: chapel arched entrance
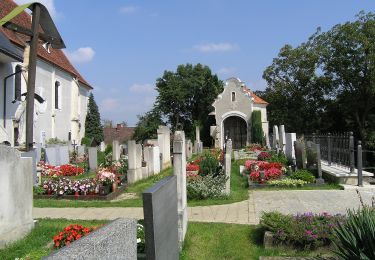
[235,128]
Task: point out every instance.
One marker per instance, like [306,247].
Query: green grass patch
[231,241]
[137,187]
[38,242]
[238,185]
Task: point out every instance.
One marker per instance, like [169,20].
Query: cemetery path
[245,212]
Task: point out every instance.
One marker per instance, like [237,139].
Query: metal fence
[336,148]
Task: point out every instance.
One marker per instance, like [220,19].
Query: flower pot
[49,192]
[104,190]
[76,194]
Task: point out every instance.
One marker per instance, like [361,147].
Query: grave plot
[82,177]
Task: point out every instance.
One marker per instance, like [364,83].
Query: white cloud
[141,88]
[227,71]
[109,104]
[81,55]
[128,9]
[215,47]
[47,3]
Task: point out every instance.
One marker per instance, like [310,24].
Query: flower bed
[69,234]
[262,171]
[205,177]
[306,230]
[62,170]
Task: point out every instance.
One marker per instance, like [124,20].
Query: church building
[61,92]
[233,109]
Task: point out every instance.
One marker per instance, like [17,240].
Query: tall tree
[347,57]
[185,97]
[147,125]
[93,127]
[296,94]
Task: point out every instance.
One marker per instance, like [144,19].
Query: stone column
[282,138]
[115,150]
[229,147]
[179,169]
[275,137]
[93,158]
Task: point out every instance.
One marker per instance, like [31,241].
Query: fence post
[351,150]
[359,158]
[329,149]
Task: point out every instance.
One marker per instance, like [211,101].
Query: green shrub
[257,135]
[306,230]
[304,175]
[209,165]
[86,141]
[37,190]
[101,157]
[206,187]
[108,149]
[278,157]
[55,141]
[356,237]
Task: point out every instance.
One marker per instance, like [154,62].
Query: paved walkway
[245,212]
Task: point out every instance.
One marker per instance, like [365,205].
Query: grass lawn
[230,241]
[38,243]
[203,241]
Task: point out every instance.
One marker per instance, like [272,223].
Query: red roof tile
[257,100]
[56,57]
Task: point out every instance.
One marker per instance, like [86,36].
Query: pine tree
[257,134]
[93,126]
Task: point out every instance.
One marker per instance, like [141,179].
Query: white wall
[54,122]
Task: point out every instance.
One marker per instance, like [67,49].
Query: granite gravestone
[116,240]
[93,158]
[161,220]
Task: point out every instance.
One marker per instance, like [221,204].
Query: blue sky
[122,47]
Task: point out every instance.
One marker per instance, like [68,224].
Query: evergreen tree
[93,126]
[257,134]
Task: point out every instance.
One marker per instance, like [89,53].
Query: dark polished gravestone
[161,220]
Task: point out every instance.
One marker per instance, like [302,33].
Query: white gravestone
[93,158]
[289,146]
[228,165]
[189,149]
[179,169]
[81,150]
[275,137]
[57,155]
[115,150]
[102,146]
[282,138]
[134,161]
[16,195]
[164,143]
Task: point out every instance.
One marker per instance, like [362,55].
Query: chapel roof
[56,57]
[257,100]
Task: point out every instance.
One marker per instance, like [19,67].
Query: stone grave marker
[33,154]
[102,146]
[289,146]
[93,158]
[275,137]
[161,220]
[164,143]
[81,149]
[57,155]
[300,155]
[228,165]
[282,138]
[115,240]
[16,195]
[134,161]
[179,170]
[115,150]
[189,149]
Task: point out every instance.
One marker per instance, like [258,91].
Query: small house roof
[8,49]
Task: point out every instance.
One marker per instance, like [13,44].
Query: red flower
[70,234]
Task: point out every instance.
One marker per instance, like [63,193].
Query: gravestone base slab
[14,233]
